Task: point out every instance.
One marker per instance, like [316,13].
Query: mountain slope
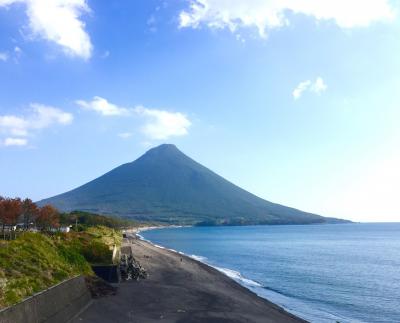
[166,185]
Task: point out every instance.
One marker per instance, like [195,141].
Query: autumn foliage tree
[10,211]
[14,210]
[48,218]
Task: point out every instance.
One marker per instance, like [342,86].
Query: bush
[97,253]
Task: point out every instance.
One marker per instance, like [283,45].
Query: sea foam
[238,277]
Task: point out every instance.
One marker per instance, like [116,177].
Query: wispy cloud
[158,124]
[15,142]
[103,107]
[58,21]
[105,54]
[317,87]
[265,15]
[125,135]
[303,86]
[162,124]
[13,55]
[152,23]
[4,56]
[18,128]
[17,50]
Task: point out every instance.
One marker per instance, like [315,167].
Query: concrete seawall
[110,273]
[58,304]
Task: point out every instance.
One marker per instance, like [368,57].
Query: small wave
[141,237]
[228,272]
[198,258]
[158,246]
[238,276]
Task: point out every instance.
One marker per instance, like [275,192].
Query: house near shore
[65,229]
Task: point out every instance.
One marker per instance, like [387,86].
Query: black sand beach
[180,289]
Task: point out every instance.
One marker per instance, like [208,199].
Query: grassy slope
[106,235]
[35,261]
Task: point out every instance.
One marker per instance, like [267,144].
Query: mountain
[166,185]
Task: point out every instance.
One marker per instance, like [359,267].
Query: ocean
[322,273]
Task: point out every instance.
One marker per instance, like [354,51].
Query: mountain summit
[166,185]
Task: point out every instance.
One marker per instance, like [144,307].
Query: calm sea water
[323,273]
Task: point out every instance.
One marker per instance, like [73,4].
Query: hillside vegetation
[80,221]
[36,261]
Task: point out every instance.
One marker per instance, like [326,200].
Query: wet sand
[180,289]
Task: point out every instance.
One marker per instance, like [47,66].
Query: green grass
[35,261]
[96,244]
[106,235]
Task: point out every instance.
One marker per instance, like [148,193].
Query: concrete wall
[116,254]
[110,273]
[58,304]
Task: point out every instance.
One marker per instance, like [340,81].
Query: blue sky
[294,101]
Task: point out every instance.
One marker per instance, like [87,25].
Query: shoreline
[183,290]
[219,270]
[230,273]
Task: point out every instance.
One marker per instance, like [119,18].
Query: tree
[10,211]
[30,211]
[48,218]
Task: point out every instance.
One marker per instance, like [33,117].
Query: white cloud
[59,21]
[16,126]
[159,125]
[316,87]
[15,142]
[41,117]
[163,124]
[125,135]
[319,86]
[303,86]
[102,106]
[46,116]
[269,14]
[3,56]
